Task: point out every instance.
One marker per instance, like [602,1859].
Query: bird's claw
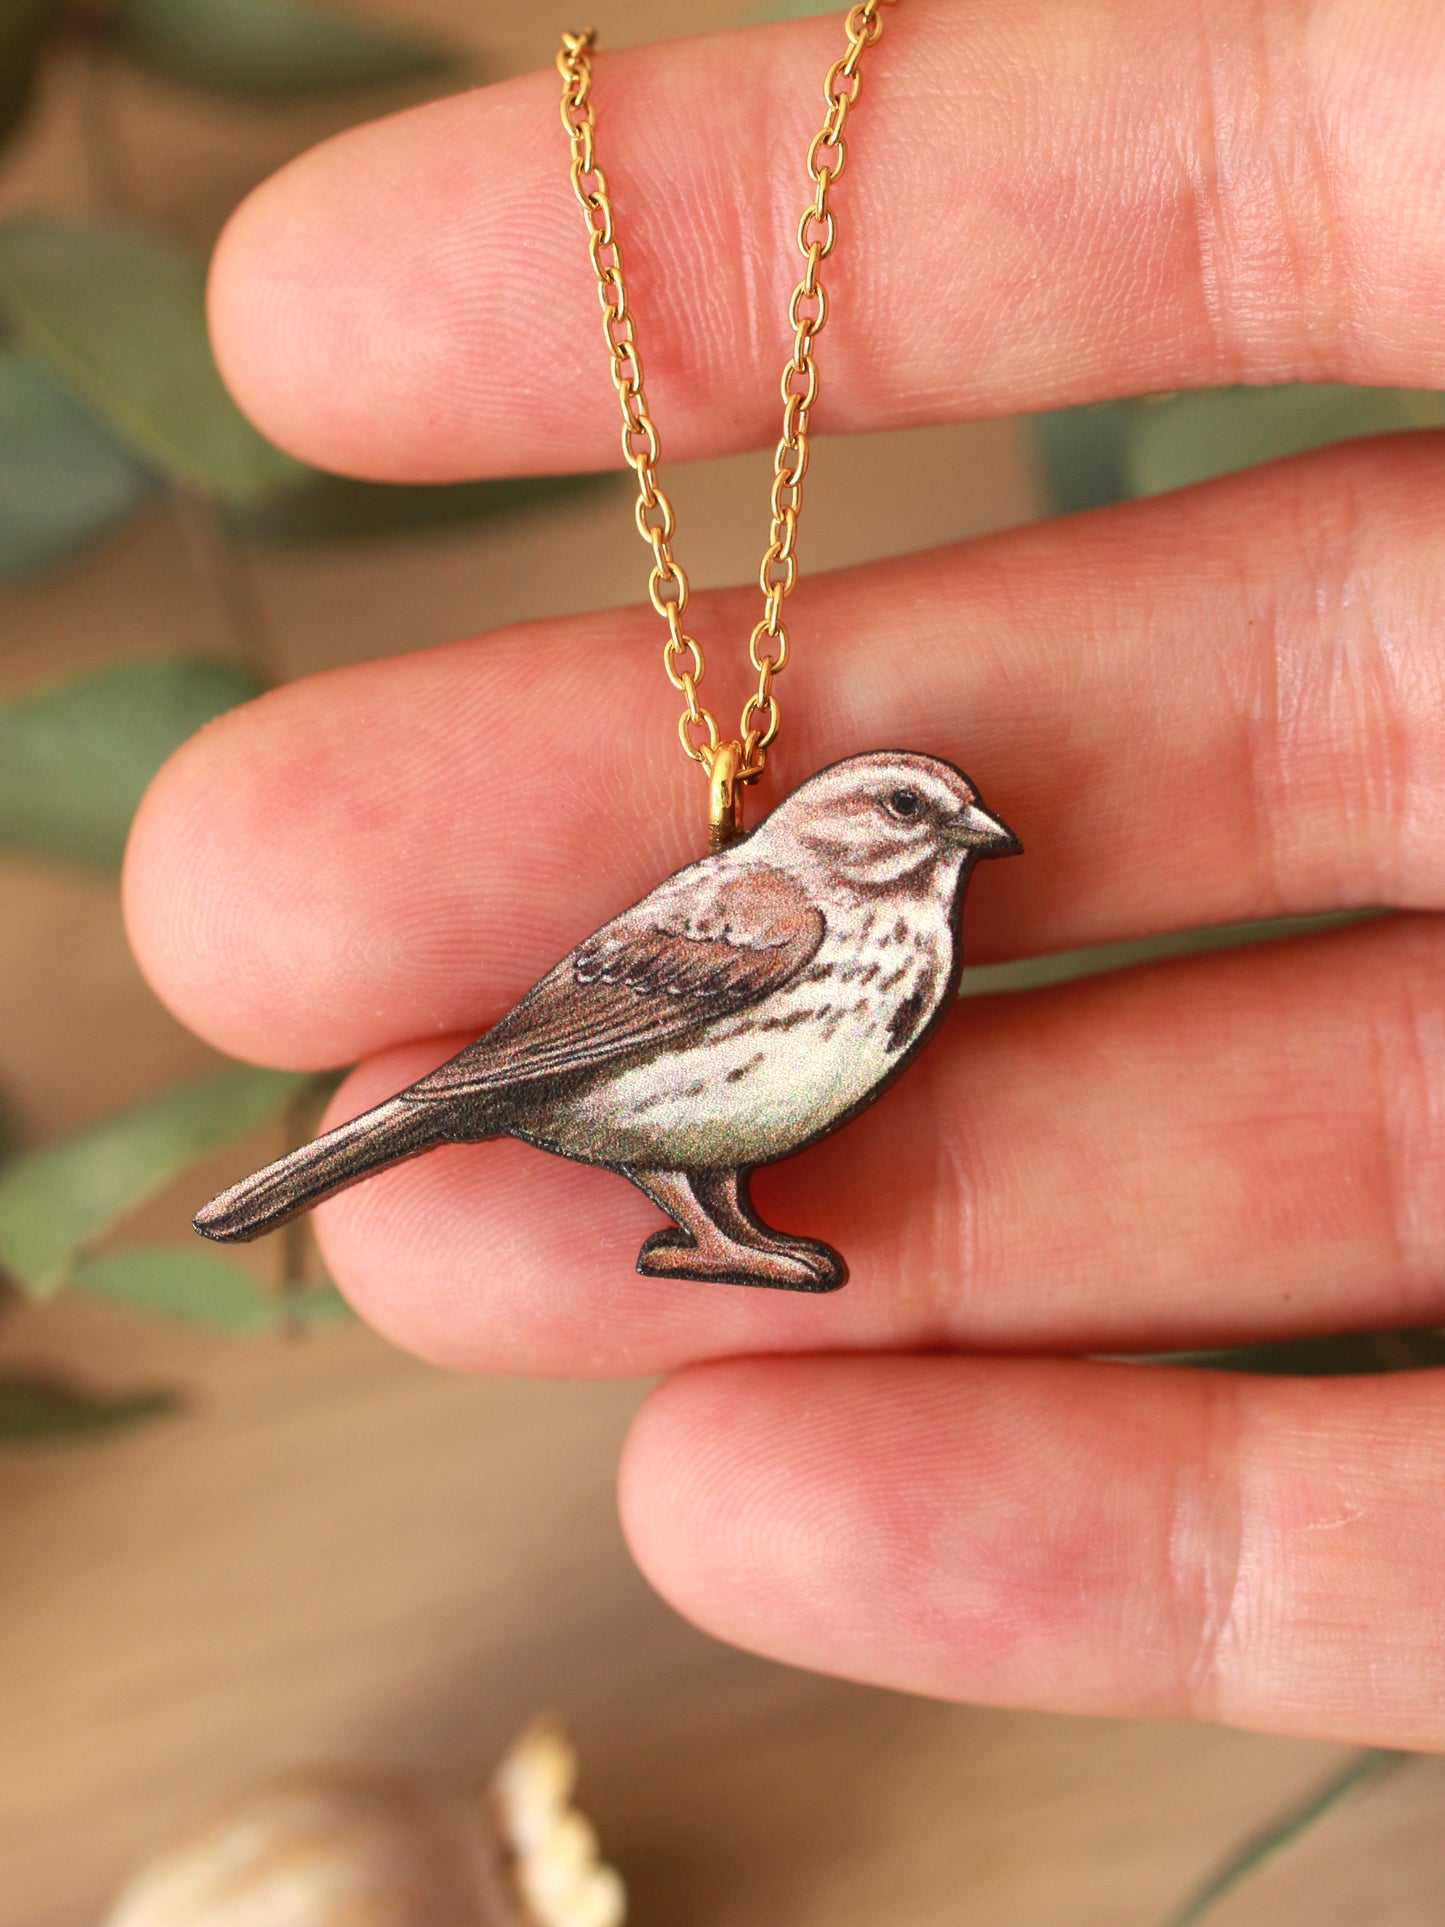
[797,1264]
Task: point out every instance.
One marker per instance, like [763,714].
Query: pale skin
[1220,705]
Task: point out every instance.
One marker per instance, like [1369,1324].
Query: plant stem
[112,184]
[213,549]
[1252,1854]
[222,565]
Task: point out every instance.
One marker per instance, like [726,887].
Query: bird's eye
[906,805]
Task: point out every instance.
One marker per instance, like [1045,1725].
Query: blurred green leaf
[75,758]
[56,1201]
[1084,454]
[203,1287]
[1189,438]
[1334,1355]
[1094,960]
[334,508]
[23,25]
[274,47]
[116,315]
[63,478]
[1109,451]
[37,1410]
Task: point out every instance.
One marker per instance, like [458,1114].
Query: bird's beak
[974,829]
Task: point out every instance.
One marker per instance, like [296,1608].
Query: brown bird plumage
[751,1003]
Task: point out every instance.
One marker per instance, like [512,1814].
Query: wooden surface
[339,1554]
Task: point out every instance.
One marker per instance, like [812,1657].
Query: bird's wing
[696,949]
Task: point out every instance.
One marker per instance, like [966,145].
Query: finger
[1046,200]
[1083,1537]
[1224,705]
[1224,1149]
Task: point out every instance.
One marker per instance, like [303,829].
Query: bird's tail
[386,1135]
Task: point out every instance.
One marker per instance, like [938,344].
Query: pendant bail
[725,797]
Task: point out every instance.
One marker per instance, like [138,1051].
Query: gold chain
[729,764]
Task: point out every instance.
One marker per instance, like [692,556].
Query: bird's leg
[726,1199]
[720,1240]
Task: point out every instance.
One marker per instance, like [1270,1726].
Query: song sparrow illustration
[751,1003]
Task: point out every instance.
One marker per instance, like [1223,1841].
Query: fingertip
[363,339]
[886,1518]
[739,1493]
[274,332]
[637,1479]
[248,282]
[179,884]
[655,1468]
[677,1482]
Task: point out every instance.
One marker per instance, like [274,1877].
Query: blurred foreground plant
[111,404]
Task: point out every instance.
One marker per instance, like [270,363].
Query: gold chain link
[768,647]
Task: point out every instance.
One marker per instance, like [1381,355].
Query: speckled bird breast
[758,1085]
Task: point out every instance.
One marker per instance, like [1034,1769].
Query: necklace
[762,996]
[729,765]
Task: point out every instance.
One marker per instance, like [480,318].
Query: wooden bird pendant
[749,1005]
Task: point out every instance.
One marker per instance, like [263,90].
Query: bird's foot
[793,1264]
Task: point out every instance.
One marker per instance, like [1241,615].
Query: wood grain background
[338,1554]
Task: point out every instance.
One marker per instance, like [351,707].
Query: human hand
[1221,705]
